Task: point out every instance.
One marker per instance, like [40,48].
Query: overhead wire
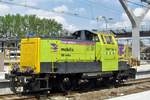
[90,8]
[137,4]
[53,11]
[67,13]
[116,11]
[74,14]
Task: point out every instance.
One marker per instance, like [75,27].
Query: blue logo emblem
[54,47]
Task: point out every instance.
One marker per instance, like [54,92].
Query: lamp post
[105,19]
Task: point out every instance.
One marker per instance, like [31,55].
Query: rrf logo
[54,47]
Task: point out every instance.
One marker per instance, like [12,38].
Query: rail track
[16,97]
[129,87]
[106,92]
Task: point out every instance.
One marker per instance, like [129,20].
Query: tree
[17,25]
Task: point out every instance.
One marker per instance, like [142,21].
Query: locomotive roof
[82,31]
[92,32]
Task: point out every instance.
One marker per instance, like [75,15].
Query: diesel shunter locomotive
[65,63]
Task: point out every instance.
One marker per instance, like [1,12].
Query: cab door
[109,53]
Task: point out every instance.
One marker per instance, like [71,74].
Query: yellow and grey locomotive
[47,64]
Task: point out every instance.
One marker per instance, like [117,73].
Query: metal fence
[11,56]
[126,29]
[144,48]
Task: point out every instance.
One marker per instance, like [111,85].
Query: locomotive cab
[106,48]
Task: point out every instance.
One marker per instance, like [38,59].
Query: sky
[76,14]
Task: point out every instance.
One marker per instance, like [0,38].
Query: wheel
[66,84]
[15,85]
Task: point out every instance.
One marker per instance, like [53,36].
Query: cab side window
[77,35]
[109,40]
[95,38]
[88,36]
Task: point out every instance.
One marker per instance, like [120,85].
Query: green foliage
[17,25]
